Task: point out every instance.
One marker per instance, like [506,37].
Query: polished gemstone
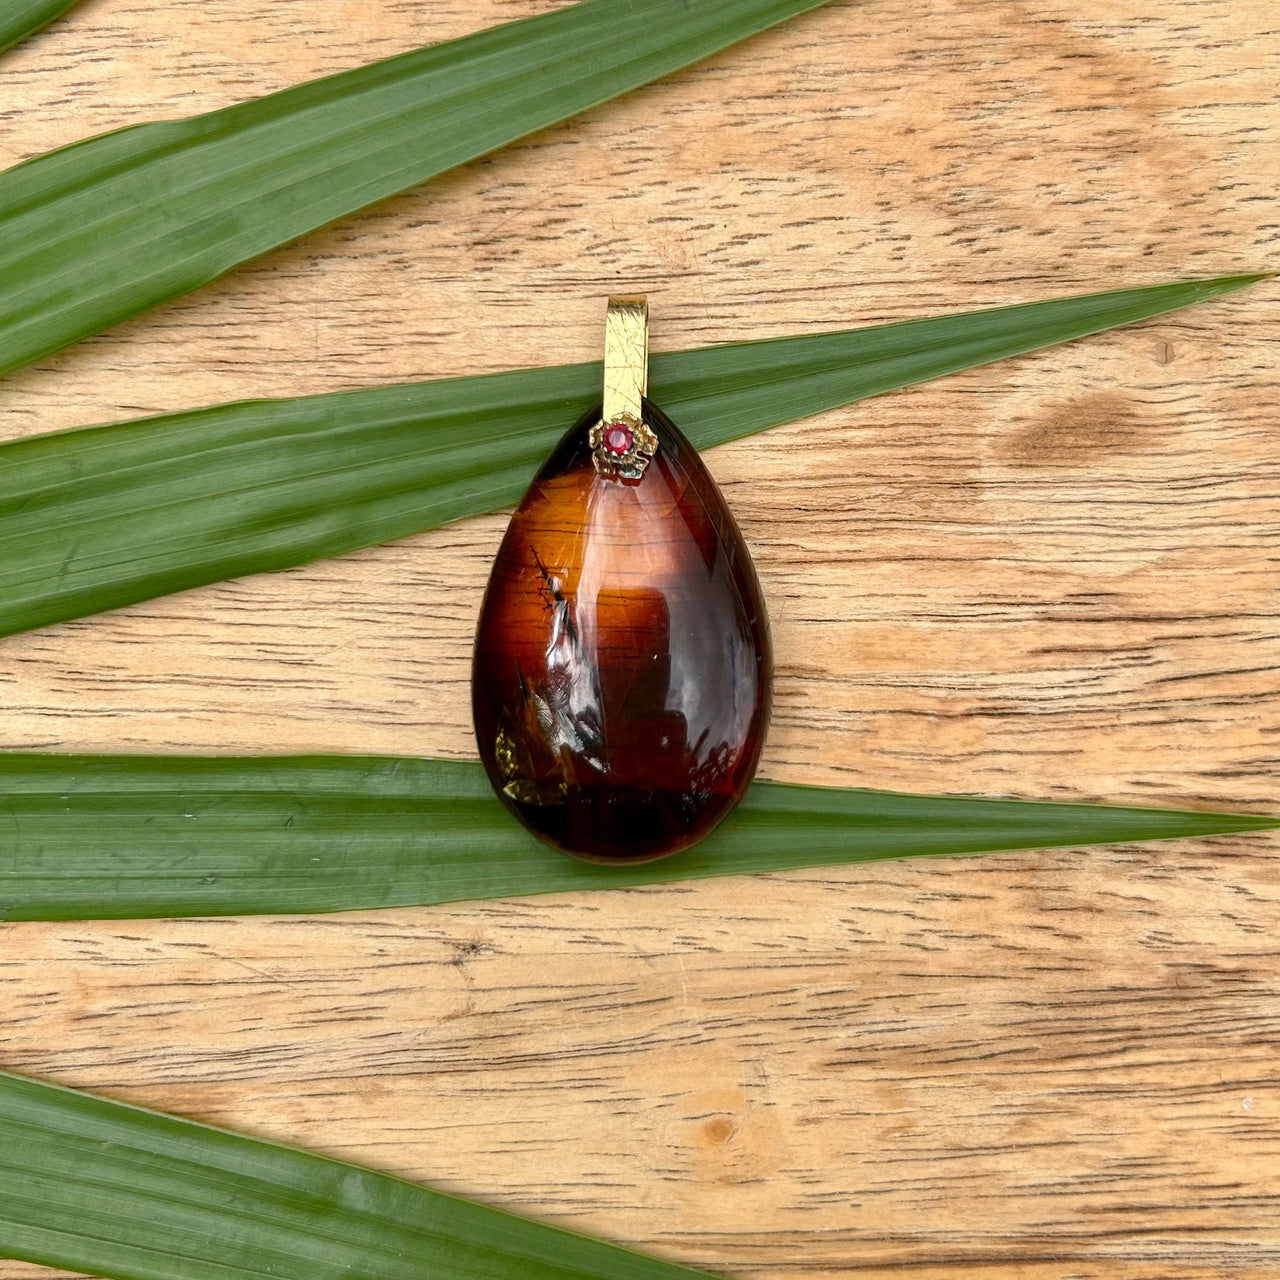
[622,677]
[618,438]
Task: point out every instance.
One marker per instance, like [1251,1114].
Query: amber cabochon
[622,678]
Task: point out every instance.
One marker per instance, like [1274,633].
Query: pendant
[622,678]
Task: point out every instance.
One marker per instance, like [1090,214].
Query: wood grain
[1056,577]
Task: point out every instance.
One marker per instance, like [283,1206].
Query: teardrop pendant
[622,678]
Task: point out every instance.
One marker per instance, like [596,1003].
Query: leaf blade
[114,1190]
[101,230]
[107,516]
[22,18]
[130,837]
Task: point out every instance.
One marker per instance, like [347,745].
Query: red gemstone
[617,439]
[622,676]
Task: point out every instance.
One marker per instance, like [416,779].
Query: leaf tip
[1256,821]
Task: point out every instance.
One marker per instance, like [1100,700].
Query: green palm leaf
[111,226]
[125,837]
[21,18]
[106,516]
[113,1190]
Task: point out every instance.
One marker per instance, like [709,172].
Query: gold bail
[626,357]
[622,443]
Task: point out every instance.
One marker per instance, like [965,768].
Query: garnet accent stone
[622,676]
[618,437]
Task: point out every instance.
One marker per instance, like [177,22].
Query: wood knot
[720,1130]
[1087,429]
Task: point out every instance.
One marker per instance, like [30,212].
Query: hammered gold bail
[622,443]
[626,359]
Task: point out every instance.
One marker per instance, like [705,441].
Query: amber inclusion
[621,685]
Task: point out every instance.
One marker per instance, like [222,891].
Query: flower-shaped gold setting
[622,447]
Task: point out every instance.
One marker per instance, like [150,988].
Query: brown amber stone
[621,685]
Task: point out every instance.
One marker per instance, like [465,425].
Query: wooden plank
[1052,578]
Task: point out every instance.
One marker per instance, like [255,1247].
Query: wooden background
[1054,577]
